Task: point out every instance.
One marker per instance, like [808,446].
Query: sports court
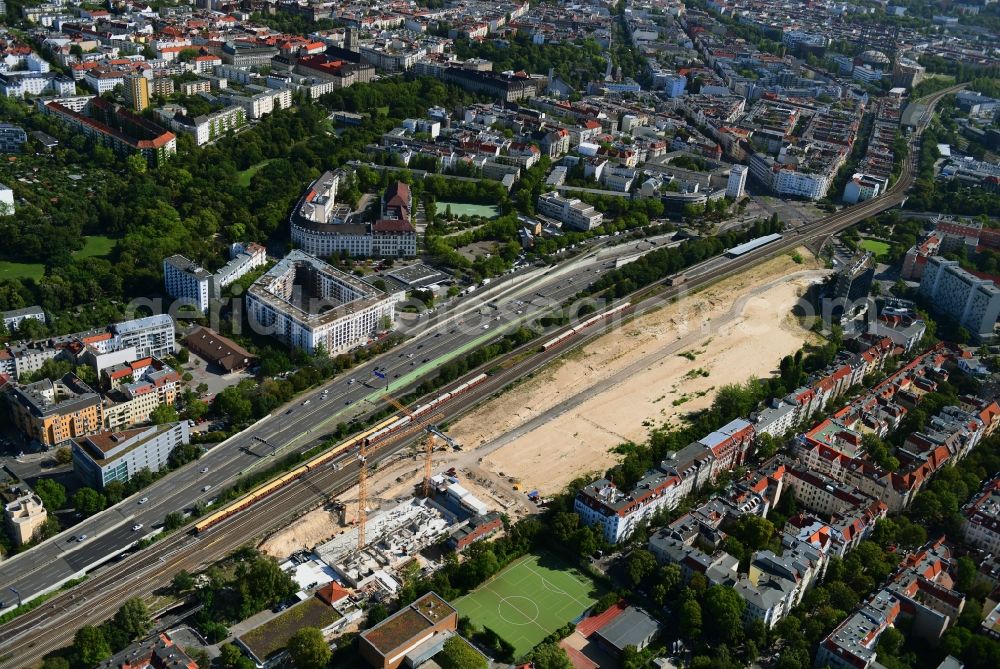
[530,599]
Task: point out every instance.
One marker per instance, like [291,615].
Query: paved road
[29,637]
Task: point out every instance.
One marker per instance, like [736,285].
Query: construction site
[451,489]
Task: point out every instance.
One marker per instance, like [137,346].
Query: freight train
[573,331]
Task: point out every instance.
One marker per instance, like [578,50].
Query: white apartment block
[244,258]
[186,280]
[981,525]
[13,319]
[571,212]
[262,104]
[117,456]
[209,127]
[310,305]
[101,81]
[737,181]
[808,185]
[19,84]
[969,300]
[152,336]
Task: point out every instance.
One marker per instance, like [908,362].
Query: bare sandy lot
[564,422]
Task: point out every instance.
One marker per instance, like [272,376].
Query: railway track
[27,639]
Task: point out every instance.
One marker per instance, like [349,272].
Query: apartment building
[12,138]
[968,300]
[573,213]
[186,280]
[981,524]
[737,182]
[20,84]
[133,401]
[260,104]
[103,457]
[207,128]
[24,516]
[115,127]
[920,591]
[53,412]
[13,319]
[321,228]
[157,652]
[616,513]
[310,305]
[137,92]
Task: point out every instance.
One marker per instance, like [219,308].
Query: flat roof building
[24,516]
[53,412]
[427,620]
[311,305]
[110,456]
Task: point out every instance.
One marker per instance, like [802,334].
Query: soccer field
[529,600]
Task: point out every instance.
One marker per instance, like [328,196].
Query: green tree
[132,618]
[549,656]
[52,493]
[754,532]
[724,607]
[308,649]
[691,619]
[55,663]
[458,654]
[163,414]
[173,520]
[640,564]
[377,612]
[88,501]
[183,581]
[232,658]
[64,456]
[90,646]
[261,582]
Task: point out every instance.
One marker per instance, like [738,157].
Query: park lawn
[96,246]
[880,249]
[21,270]
[243,177]
[529,600]
[466,209]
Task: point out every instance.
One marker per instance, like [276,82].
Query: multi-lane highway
[516,299]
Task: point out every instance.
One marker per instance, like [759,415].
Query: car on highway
[306,402]
[137,527]
[81,538]
[143,500]
[204,470]
[206,488]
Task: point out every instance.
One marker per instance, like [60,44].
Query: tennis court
[529,600]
